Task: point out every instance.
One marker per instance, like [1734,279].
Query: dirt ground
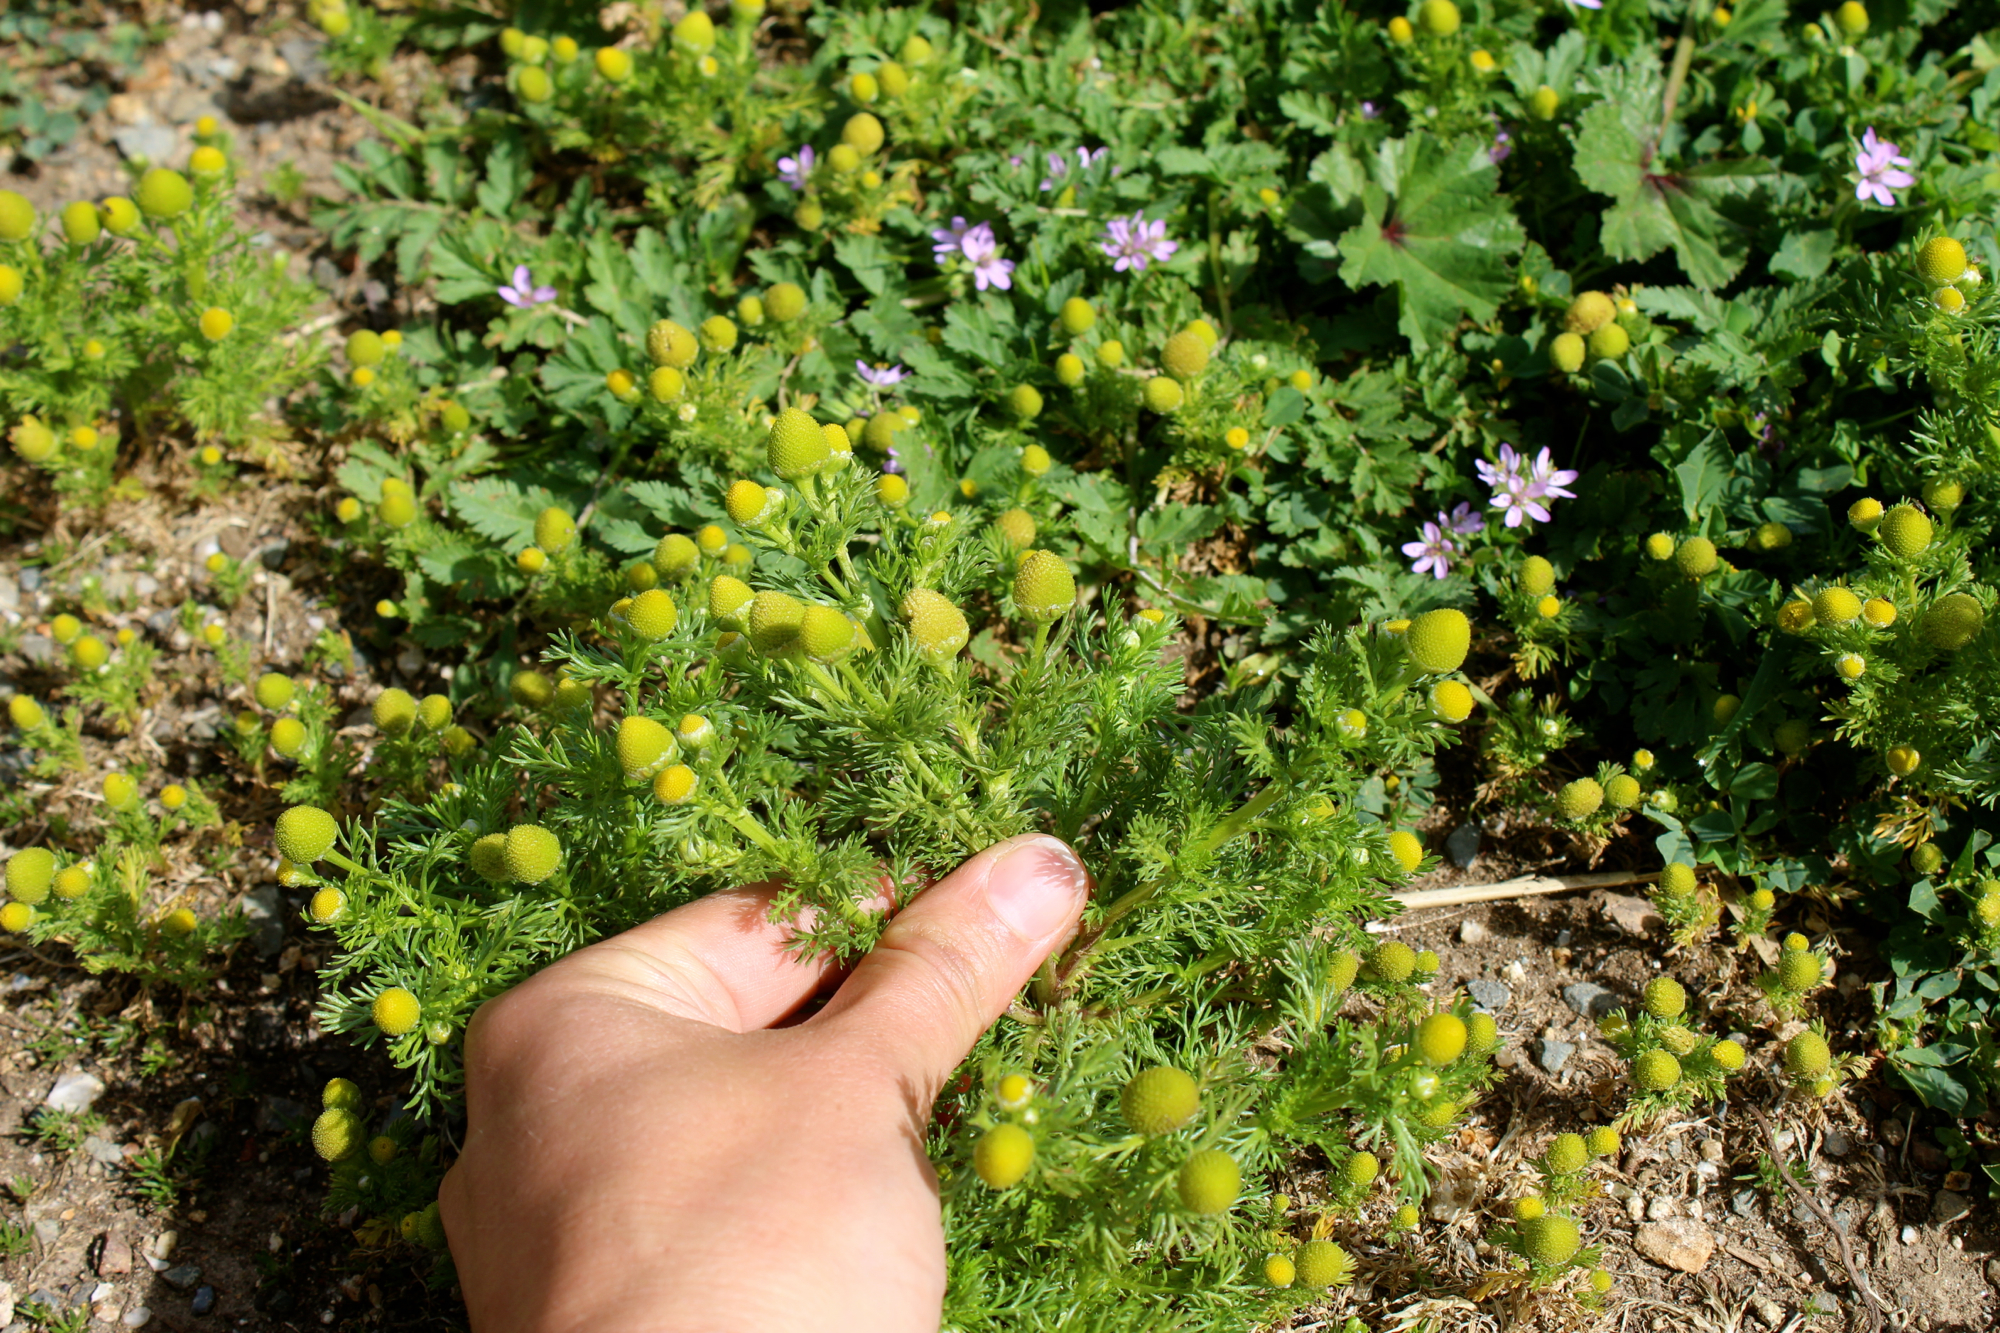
[230,1081]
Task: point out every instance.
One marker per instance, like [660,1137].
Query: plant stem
[1683,57]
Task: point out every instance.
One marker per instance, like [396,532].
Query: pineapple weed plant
[812,462]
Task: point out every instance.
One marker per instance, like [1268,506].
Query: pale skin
[653,1147]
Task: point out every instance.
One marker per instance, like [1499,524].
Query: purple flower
[1134,242]
[1462,520]
[1370,111]
[522,291]
[1503,146]
[880,379]
[892,463]
[950,240]
[1433,553]
[1879,163]
[1587,4]
[1059,165]
[1519,486]
[988,268]
[794,171]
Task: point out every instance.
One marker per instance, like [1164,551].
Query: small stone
[31,579]
[100,1291]
[48,1231]
[1463,845]
[1909,1235]
[7,1303]
[1711,1150]
[163,1244]
[101,1150]
[1993,1272]
[1678,1243]
[1562,939]
[1635,1207]
[1949,1206]
[182,1276]
[1472,932]
[1836,1144]
[1492,996]
[1768,1310]
[150,143]
[1589,999]
[1891,1131]
[1928,1156]
[75,1091]
[1660,1209]
[136,1317]
[204,1301]
[114,1257]
[265,907]
[1555,1054]
[1633,916]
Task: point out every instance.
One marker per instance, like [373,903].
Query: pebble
[1679,1243]
[136,1317]
[102,1150]
[48,1231]
[10,594]
[1660,1209]
[153,143]
[1562,939]
[1472,932]
[1950,1206]
[204,1301]
[1492,996]
[1909,1235]
[7,1302]
[1632,916]
[182,1276]
[1556,1054]
[1463,845]
[163,1244]
[75,1091]
[1711,1150]
[38,649]
[1589,999]
[100,1291]
[1993,1272]
[31,579]
[1768,1310]
[1836,1143]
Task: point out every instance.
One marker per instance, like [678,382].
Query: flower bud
[668,344]
[305,833]
[164,194]
[644,747]
[395,713]
[938,626]
[652,615]
[1163,395]
[1044,588]
[675,785]
[825,634]
[1438,640]
[532,853]
[773,620]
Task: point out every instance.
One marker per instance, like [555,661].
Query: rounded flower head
[1159,1100]
[1003,1156]
[1437,641]
[305,833]
[164,194]
[1441,1038]
[1044,588]
[1209,1182]
[1321,1264]
[532,853]
[396,1011]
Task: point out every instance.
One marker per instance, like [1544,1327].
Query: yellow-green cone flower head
[695,34]
[73,882]
[1185,355]
[25,713]
[1603,1142]
[1580,799]
[1566,352]
[1441,1038]
[1567,1154]
[1695,557]
[1482,1033]
[1360,1169]
[1927,859]
[1111,354]
[893,78]
[1322,1264]
[119,215]
[342,1094]
[164,194]
[1427,962]
[1538,576]
[365,348]
[1035,460]
[1003,1156]
[396,1011]
[1943,494]
[1762,900]
[1159,1100]
[33,441]
[532,853]
[916,50]
[1796,617]
[1609,342]
[1209,1182]
[1341,972]
[665,384]
[1904,760]
[395,712]
[644,747]
[1543,102]
[1953,621]
[397,509]
[488,858]
[718,333]
[652,615]
[1906,530]
[1393,961]
[1044,589]
[1588,313]
[729,602]
[1438,18]
[1865,514]
[773,620]
[17,216]
[305,833]
[1771,537]
[288,737]
[1836,606]
[785,302]
[80,223]
[1550,1239]
[327,906]
[1725,707]
[1017,526]
[1656,1071]
[675,784]
[825,634]
[11,286]
[1070,370]
[1163,395]
[1940,260]
[1025,401]
[750,504]
[938,626]
[338,1134]
[1408,849]
[1076,316]
[29,873]
[1622,792]
[1799,970]
[1807,1056]
[1664,998]
[1451,701]
[274,690]
[1660,546]
[555,530]
[669,344]
[676,555]
[89,652]
[16,918]
[1438,640]
[796,447]
[1851,18]
[531,689]
[862,132]
[1279,1271]
[534,84]
[613,64]
[381,1150]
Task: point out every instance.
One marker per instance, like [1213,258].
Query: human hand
[645,1150]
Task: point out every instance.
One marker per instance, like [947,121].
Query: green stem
[1683,57]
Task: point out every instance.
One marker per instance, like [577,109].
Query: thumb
[948,965]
